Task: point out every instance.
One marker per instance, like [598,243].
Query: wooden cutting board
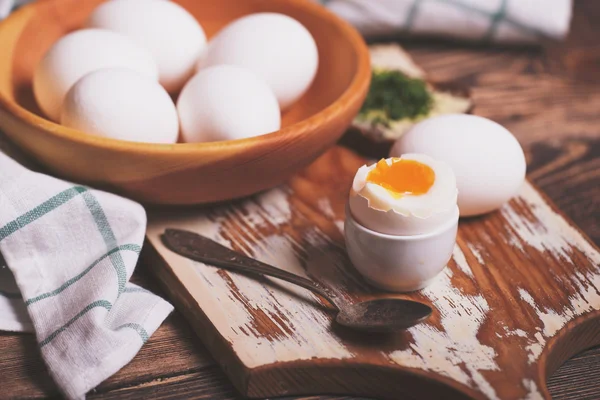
[520,295]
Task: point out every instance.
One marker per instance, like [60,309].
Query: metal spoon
[380,315]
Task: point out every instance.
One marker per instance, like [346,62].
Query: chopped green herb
[394,96]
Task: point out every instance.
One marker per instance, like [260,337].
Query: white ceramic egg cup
[400,263]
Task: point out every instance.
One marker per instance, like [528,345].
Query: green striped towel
[68,254]
[506,21]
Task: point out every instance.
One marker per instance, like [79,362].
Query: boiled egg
[277,48]
[119,103]
[80,53]
[226,102]
[486,158]
[169,32]
[407,195]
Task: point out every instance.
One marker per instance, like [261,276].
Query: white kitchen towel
[6,6]
[72,251]
[506,21]
[516,21]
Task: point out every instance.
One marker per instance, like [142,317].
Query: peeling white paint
[549,232]
[324,206]
[551,320]
[476,253]
[454,352]
[279,301]
[534,392]
[534,350]
[514,332]
[340,225]
[461,261]
[276,205]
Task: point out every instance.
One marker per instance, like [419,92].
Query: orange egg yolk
[403,176]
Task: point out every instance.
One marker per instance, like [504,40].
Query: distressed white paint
[551,320]
[276,205]
[532,389]
[340,225]
[461,261]
[299,308]
[453,350]
[324,206]
[476,253]
[513,332]
[534,350]
[548,232]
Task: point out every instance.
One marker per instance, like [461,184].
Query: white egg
[409,195]
[80,53]
[486,158]
[274,46]
[225,103]
[173,36]
[119,103]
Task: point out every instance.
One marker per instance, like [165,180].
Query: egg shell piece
[119,103]
[168,31]
[377,209]
[276,47]
[226,103]
[80,53]
[486,158]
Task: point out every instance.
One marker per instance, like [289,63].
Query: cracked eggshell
[375,208]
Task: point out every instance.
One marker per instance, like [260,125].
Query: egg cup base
[400,263]
[403,287]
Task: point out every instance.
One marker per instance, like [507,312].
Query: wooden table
[550,99]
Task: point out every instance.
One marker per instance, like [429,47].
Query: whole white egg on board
[408,195]
[120,103]
[486,158]
[276,47]
[171,34]
[226,102]
[80,53]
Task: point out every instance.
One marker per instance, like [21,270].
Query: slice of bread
[373,138]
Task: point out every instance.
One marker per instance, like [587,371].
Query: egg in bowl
[183,173]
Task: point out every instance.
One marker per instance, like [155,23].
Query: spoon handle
[205,250]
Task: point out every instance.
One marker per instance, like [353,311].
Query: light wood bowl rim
[331,112]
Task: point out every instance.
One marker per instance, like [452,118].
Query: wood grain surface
[517,299]
[548,98]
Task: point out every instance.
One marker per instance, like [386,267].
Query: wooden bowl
[183,173]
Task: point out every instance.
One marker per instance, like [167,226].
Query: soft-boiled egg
[80,53]
[168,31]
[486,158]
[408,195]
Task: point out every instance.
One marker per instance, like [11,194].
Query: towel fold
[506,21]
[68,254]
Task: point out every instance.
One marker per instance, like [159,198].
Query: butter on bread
[372,137]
